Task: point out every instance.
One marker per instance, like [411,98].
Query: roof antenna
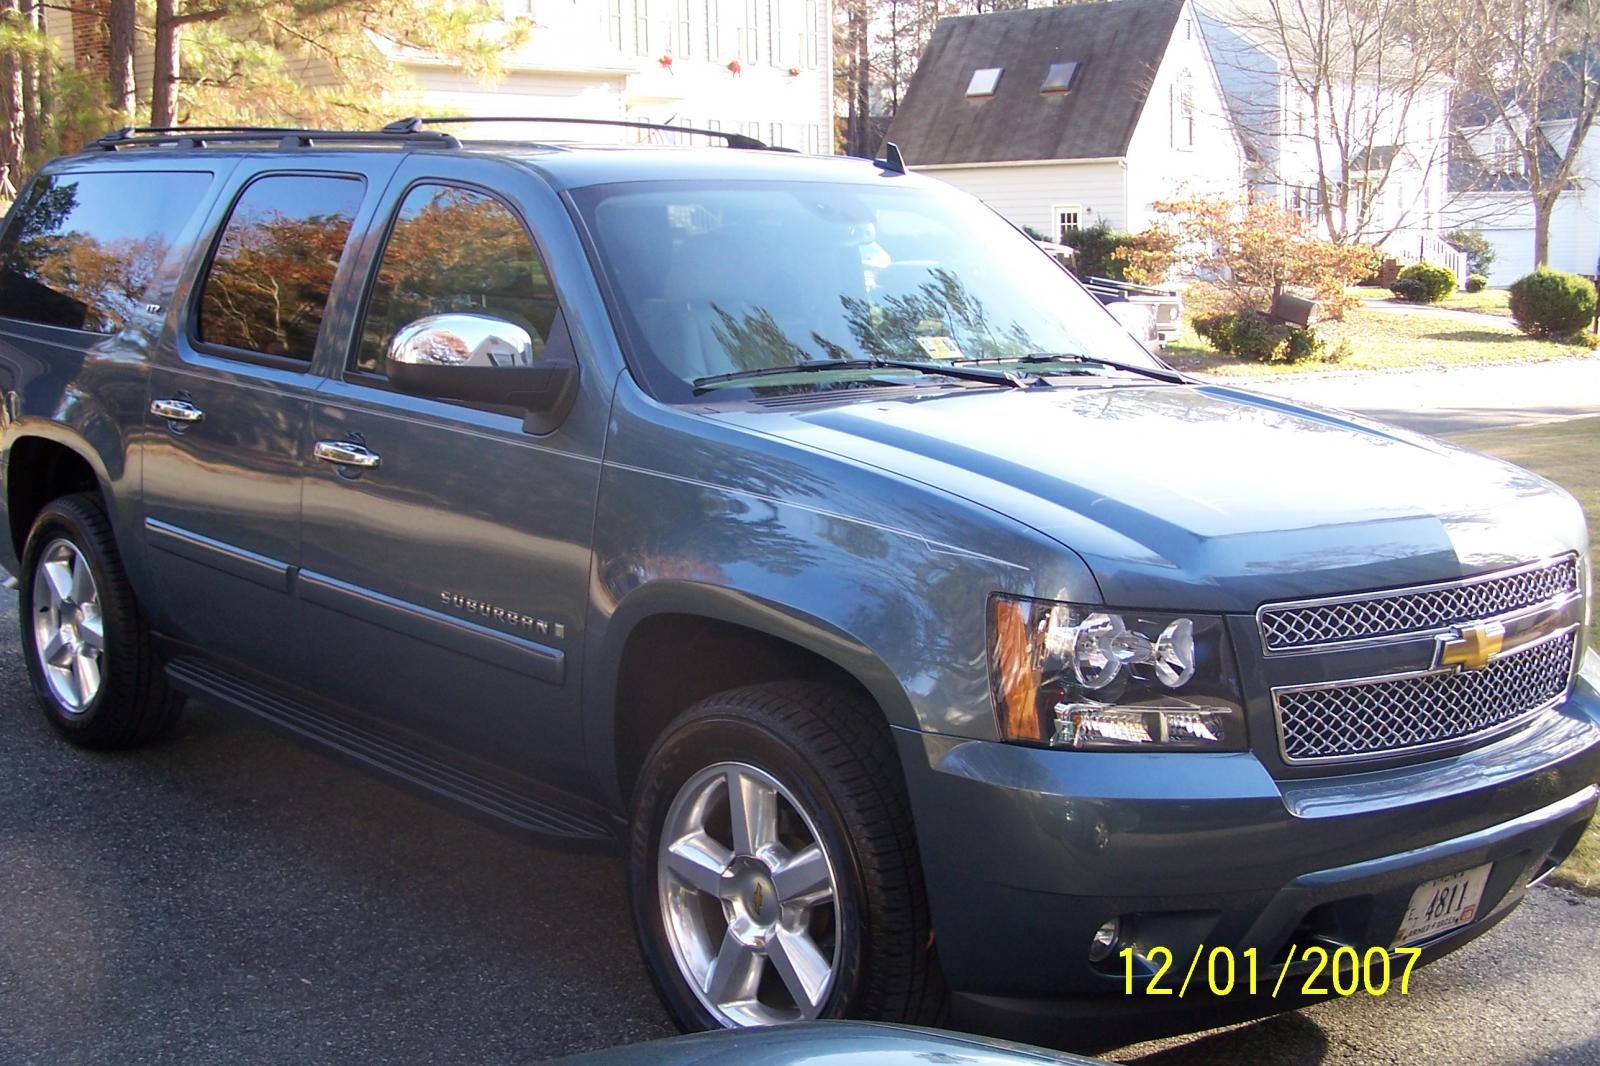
[892,161]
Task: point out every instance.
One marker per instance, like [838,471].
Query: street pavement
[228,897]
[1451,399]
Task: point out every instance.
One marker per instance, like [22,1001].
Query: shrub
[1477,283]
[1434,283]
[1214,329]
[1410,289]
[1249,336]
[1480,253]
[1093,250]
[1552,303]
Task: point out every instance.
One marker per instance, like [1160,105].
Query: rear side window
[269,279]
[84,251]
[455,249]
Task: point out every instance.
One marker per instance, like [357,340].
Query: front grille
[1291,627]
[1392,715]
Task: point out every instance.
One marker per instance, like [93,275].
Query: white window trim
[1057,229]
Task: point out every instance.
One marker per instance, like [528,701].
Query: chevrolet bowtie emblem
[1474,647]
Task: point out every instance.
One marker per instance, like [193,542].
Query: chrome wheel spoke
[55,652]
[803,878]
[86,676]
[803,968]
[753,810]
[91,631]
[734,973]
[699,862]
[58,579]
[82,581]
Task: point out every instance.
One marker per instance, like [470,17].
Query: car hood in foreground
[1201,496]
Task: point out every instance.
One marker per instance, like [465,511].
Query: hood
[1203,497]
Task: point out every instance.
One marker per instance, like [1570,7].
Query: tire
[824,759]
[113,696]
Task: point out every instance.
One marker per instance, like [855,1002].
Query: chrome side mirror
[487,360]
[462,340]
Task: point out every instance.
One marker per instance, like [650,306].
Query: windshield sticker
[939,347]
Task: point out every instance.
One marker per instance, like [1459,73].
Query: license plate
[1443,904]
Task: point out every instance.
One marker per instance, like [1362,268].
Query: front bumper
[1027,852]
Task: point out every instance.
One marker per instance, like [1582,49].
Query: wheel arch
[40,466]
[674,643]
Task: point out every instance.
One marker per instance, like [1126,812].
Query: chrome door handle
[345,453]
[176,410]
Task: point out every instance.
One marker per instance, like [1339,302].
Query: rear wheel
[774,870]
[86,645]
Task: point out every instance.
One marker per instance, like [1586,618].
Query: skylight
[1059,80]
[984,80]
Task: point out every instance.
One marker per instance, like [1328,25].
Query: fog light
[1105,940]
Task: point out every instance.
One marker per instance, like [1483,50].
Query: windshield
[716,278]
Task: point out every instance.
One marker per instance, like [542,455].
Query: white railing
[1413,246]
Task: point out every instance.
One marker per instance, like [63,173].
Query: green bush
[1552,303]
[1213,329]
[1410,289]
[1479,252]
[1094,251]
[1249,336]
[1433,283]
[1477,283]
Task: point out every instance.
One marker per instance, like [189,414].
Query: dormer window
[983,83]
[1060,78]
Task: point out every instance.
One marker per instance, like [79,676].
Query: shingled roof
[1119,46]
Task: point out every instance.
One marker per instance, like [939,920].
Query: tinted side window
[83,250]
[453,249]
[268,283]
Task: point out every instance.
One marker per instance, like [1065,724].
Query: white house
[758,67]
[1490,187]
[1376,144]
[1062,117]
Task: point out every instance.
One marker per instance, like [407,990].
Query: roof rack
[415,126]
[286,137]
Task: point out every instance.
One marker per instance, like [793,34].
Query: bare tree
[1534,74]
[1362,116]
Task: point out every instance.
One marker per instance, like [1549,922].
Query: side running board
[478,794]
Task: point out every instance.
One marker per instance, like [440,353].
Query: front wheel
[773,867]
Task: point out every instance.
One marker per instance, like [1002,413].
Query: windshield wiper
[1073,357]
[966,373]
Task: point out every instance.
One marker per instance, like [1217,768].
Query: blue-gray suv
[934,651]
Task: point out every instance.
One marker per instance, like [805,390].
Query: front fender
[885,578]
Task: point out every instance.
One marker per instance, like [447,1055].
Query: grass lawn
[1386,340]
[1565,453]
[1488,302]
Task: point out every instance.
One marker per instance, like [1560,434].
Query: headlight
[1098,680]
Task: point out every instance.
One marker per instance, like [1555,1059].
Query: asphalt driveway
[228,897]
[1451,399]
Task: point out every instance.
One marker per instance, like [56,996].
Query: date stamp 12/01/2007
[1342,971]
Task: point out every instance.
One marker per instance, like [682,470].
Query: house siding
[1026,193]
[1161,164]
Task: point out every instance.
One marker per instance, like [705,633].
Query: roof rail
[415,125]
[287,137]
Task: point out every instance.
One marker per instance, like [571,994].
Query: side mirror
[484,359]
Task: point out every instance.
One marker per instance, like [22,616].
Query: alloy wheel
[749,898]
[68,631]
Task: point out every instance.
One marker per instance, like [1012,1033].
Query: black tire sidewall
[724,735]
[63,520]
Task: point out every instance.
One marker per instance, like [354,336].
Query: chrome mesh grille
[1382,716]
[1417,611]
